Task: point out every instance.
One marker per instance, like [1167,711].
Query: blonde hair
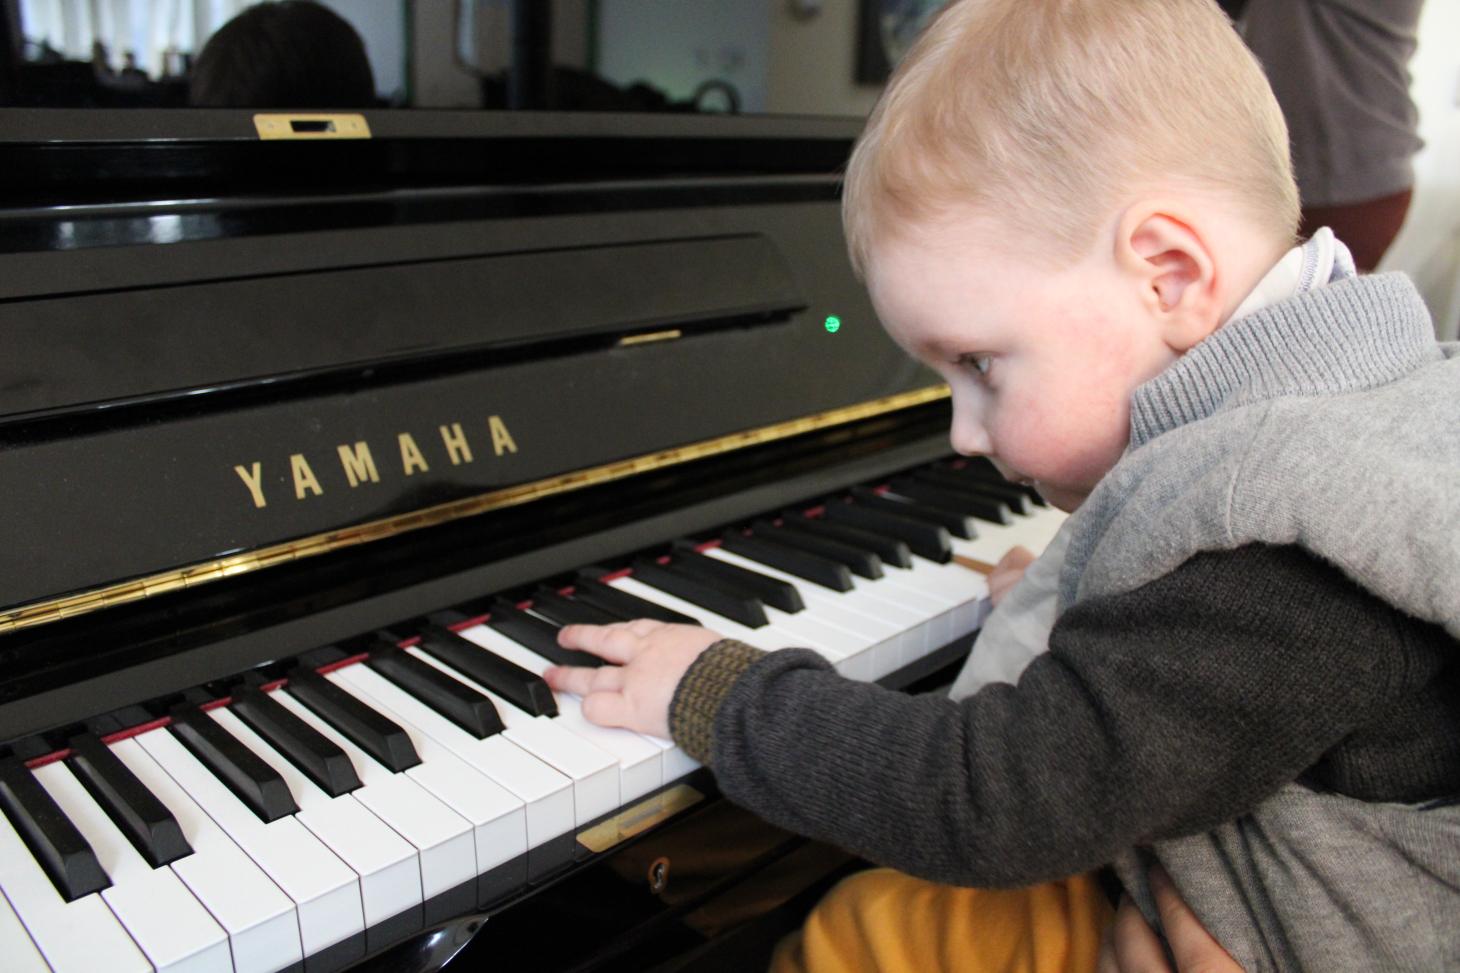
[1047,113]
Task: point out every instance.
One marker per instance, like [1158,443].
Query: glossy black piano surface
[308,444]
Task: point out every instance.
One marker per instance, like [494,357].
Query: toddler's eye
[979,363]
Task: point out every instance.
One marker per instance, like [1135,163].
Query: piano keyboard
[314,816]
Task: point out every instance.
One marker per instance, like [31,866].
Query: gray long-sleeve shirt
[1156,713]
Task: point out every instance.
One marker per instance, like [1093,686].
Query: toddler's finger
[607,708]
[1106,962]
[615,642]
[608,679]
[642,627]
[577,680]
[1192,946]
[1134,942]
[1015,558]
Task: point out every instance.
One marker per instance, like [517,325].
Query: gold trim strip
[44,612]
[650,336]
[272,126]
[639,818]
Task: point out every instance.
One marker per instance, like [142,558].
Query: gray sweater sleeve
[1158,712]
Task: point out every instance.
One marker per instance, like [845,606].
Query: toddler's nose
[968,436]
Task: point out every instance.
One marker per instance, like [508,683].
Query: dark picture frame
[875,57]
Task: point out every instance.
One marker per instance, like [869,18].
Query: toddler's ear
[1171,264]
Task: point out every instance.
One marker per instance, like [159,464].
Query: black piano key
[792,560]
[956,523]
[718,597]
[30,747]
[570,611]
[890,550]
[1012,495]
[362,725]
[138,814]
[453,699]
[524,689]
[922,538]
[772,591]
[49,834]
[624,604]
[979,470]
[991,509]
[256,783]
[538,635]
[320,758]
[859,561]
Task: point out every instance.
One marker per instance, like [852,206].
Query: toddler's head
[1053,200]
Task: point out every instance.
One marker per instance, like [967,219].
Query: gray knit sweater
[1232,690]
[1330,421]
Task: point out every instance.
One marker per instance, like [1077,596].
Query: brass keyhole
[658,875]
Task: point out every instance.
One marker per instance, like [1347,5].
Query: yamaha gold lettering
[253,478]
[358,463]
[411,459]
[359,466]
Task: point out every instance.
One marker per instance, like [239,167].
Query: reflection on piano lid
[298,492]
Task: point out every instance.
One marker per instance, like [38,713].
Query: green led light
[833,323]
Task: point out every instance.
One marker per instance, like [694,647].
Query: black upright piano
[315,426]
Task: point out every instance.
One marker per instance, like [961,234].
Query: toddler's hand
[1008,571]
[650,658]
[1131,945]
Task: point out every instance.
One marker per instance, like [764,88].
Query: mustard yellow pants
[882,920]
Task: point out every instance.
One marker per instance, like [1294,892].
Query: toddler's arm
[1158,712]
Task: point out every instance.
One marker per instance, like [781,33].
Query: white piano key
[19,950]
[261,922]
[497,816]
[1033,530]
[877,598]
[769,637]
[547,794]
[388,867]
[641,764]
[923,585]
[675,762]
[784,630]
[326,892]
[841,648]
[891,643]
[442,838]
[594,772]
[55,925]
[156,908]
[964,588]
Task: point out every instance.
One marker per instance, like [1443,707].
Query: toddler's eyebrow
[936,348]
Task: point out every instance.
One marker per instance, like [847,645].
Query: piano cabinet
[298,478]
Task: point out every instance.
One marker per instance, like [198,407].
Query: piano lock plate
[310,125]
[639,818]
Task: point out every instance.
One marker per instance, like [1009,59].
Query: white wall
[1428,248]
[812,61]
[675,46]
[381,27]
[480,36]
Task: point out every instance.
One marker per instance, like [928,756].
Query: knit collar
[1340,335]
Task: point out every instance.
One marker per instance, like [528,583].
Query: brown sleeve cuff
[698,696]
